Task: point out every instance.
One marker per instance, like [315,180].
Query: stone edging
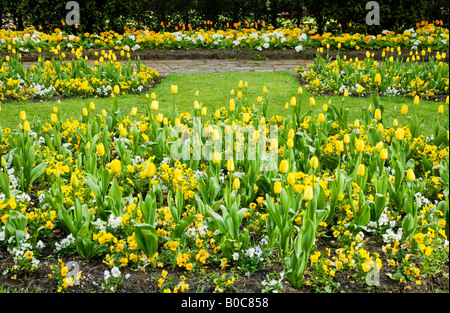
[222,54]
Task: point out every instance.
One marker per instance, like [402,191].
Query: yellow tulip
[291,133]
[204,109]
[116,89]
[236,183]
[314,162]
[404,109]
[259,99]
[410,175]
[230,165]
[133,111]
[378,78]
[197,105]
[100,150]
[232,105]
[346,138]
[239,94]
[116,166]
[293,101]
[284,166]
[309,194]
[26,126]
[217,157]
[150,170]
[53,118]
[321,118]
[155,105]
[399,134]
[265,89]
[277,187]
[245,117]
[23,115]
[384,154]
[291,179]
[377,114]
[312,102]
[339,146]
[416,100]
[300,90]
[217,114]
[290,143]
[92,106]
[174,89]
[356,124]
[359,145]
[361,170]
[346,93]
[395,122]
[441,109]
[84,112]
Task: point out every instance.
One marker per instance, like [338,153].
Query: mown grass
[214,92]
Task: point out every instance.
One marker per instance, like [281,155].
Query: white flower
[235,256]
[298,48]
[266,45]
[115,272]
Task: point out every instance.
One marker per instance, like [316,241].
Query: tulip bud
[284,166]
[26,126]
[155,105]
[293,101]
[410,176]
[384,154]
[217,157]
[416,100]
[359,145]
[174,89]
[290,143]
[441,109]
[339,146]
[84,112]
[291,179]
[150,170]
[236,183]
[133,111]
[377,114]
[23,115]
[232,105]
[277,187]
[92,106]
[230,165]
[312,102]
[321,118]
[53,118]
[291,133]
[314,162]
[377,78]
[265,89]
[361,170]
[3,162]
[101,150]
[404,109]
[399,134]
[308,194]
[116,89]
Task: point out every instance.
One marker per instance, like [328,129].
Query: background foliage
[324,15]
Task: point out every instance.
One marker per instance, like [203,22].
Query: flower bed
[78,77]
[393,76]
[341,201]
[426,35]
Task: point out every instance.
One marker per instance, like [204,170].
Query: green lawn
[214,92]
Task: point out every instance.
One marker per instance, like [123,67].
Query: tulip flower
[284,166]
[291,179]
[312,102]
[377,114]
[100,150]
[361,170]
[26,126]
[308,194]
[384,154]
[410,176]
[277,187]
[174,89]
[116,166]
[404,109]
[236,183]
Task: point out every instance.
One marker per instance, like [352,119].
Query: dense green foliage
[114,14]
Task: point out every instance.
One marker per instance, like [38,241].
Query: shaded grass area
[214,92]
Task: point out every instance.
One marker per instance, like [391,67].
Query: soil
[145,280]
